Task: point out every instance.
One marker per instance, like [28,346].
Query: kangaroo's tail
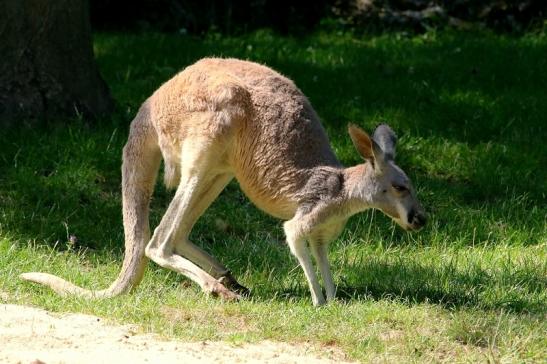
[141,160]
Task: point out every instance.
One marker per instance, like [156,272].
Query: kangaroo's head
[385,186]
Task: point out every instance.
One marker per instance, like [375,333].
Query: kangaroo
[225,118]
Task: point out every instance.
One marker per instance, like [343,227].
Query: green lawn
[471,113]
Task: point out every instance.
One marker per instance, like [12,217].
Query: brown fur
[225,118]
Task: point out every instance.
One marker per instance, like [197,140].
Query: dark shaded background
[44,43]
[200,16]
[234,16]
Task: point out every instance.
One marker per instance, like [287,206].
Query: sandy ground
[32,335]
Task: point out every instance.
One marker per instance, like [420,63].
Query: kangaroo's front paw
[230,282]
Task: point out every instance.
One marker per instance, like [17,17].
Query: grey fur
[386,139]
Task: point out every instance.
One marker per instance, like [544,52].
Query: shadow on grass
[411,284]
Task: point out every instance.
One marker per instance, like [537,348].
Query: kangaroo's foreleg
[297,243]
[320,253]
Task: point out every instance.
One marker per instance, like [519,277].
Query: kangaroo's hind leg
[202,177]
[186,248]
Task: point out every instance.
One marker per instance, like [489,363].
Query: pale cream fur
[225,118]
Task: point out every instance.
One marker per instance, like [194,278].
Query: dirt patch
[28,334]
[227,322]
[4,296]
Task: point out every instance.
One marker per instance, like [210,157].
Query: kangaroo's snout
[416,219]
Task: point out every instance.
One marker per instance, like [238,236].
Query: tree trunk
[47,67]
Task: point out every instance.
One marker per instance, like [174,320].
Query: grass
[469,109]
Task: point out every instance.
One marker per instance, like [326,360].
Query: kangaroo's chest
[329,230]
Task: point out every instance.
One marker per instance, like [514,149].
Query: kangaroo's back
[267,128]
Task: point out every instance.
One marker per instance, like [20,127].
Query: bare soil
[33,335]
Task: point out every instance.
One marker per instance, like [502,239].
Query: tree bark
[47,67]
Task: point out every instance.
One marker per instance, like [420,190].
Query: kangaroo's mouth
[415,225]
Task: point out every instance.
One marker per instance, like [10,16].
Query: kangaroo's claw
[233,285]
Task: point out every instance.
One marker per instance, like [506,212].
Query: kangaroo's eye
[400,188]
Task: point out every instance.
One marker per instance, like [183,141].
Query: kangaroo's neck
[358,188]
[338,192]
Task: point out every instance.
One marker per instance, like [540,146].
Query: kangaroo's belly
[275,205]
[271,186]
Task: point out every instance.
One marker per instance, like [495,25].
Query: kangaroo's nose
[420,219]
[417,219]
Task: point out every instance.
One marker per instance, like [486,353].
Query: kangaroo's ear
[367,147]
[386,139]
